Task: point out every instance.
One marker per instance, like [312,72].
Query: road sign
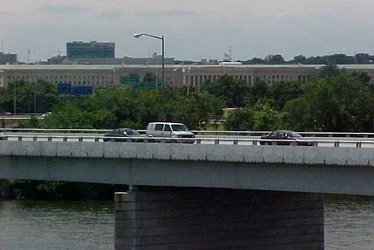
[82,90]
[64,87]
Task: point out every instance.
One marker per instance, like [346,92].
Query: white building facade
[99,76]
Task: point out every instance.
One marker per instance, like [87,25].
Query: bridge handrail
[197,132]
[357,142]
[309,134]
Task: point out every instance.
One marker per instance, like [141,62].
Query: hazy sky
[193,29]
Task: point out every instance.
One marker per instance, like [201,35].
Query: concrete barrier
[352,156]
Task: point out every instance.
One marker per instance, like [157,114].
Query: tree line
[335,59]
[276,59]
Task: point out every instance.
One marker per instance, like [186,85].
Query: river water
[349,224]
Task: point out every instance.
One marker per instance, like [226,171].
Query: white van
[169,130]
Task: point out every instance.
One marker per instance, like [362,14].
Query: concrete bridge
[204,196]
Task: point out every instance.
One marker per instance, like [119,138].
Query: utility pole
[28,56]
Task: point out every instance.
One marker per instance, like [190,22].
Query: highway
[227,139]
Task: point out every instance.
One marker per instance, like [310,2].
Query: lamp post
[163,115]
[14,98]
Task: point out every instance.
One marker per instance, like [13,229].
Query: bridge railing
[305,134]
[207,133]
[200,139]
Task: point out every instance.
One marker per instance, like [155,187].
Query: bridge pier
[200,218]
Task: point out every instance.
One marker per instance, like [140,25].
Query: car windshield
[132,132]
[179,127]
[294,134]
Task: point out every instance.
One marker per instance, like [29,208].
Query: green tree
[329,71]
[298,115]
[299,59]
[197,109]
[240,120]
[341,103]
[79,113]
[256,92]
[232,91]
[265,117]
[274,59]
[281,92]
[30,97]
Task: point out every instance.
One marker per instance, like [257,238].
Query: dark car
[284,137]
[123,135]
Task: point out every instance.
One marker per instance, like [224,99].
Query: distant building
[93,49]
[56,60]
[191,76]
[8,58]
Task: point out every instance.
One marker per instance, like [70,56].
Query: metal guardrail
[54,130]
[306,134]
[239,140]
[197,132]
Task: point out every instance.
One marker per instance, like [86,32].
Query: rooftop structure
[7,58]
[93,49]
[124,61]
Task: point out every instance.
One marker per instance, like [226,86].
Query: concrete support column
[197,218]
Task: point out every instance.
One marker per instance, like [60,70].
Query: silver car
[169,130]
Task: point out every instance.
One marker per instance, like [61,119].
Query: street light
[14,98]
[163,115]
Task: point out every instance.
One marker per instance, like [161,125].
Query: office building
[191,76]
[8,58]
[93,49]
